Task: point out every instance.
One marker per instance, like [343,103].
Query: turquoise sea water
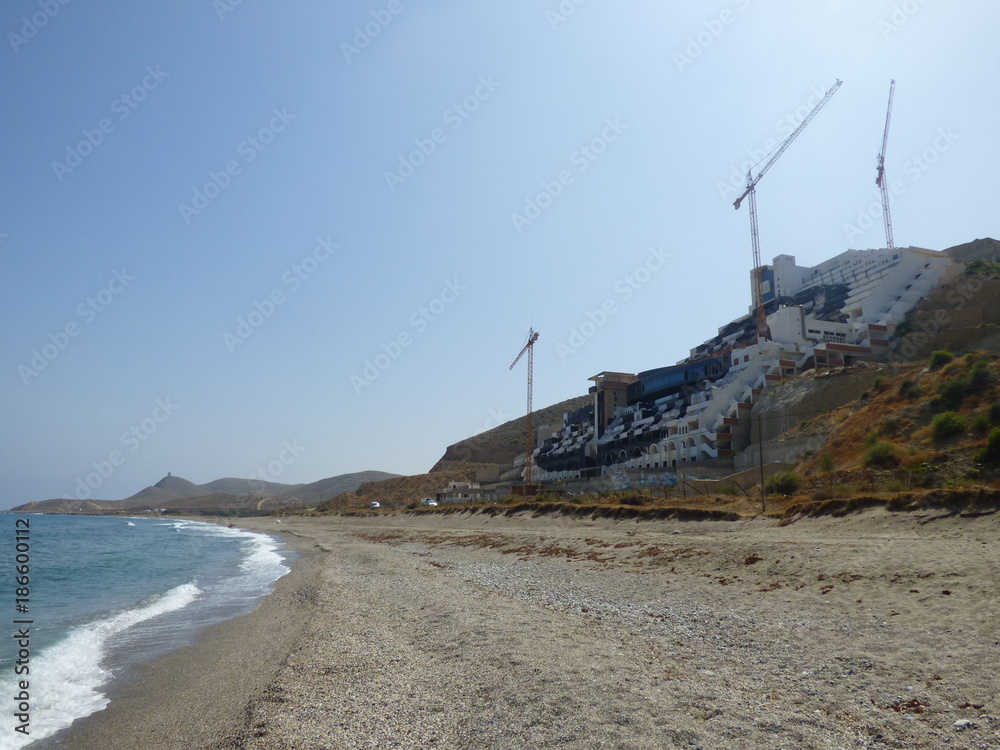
[105,594]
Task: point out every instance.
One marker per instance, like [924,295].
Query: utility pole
[760,460]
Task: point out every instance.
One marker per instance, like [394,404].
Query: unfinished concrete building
[698,410]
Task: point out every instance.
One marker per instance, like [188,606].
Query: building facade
[696,410]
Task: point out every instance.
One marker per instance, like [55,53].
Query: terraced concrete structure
[698,410]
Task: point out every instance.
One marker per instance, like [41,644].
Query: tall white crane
[530,452]
[880,174]
[761,317]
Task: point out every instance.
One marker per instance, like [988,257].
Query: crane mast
[880,180]
[751,191]
[530,448]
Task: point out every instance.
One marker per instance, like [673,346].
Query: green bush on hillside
[980,267]
[980,377]
[883,455]
[783,483]
[947,425]
[951,394]
[889,425]
[982,423]
[990,455]
[940,358]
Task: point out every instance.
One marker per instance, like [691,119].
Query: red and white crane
[530,452]
[880,175]
[761,316]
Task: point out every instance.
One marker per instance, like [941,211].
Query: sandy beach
[875,630]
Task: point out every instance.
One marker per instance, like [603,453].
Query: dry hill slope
[920,428]
[237,486]
[168,488]
[400,492]
[503,444]
[180,495]
[313,493]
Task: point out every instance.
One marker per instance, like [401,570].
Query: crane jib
[752,182]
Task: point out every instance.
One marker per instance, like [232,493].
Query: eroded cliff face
[960,316]
[785,405]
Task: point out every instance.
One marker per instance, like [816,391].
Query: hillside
[920,427]
[234,486]
[503,444]
[962,315]
[66,505]
[168,488]
[400,492]
[180,495]
[311,494]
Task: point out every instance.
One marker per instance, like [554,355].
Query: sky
[295,240]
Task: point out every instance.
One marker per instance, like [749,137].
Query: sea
[103,595]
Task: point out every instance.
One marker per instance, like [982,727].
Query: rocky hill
[501,445]
[401,492]
[235,486]
[168,488]
[960,316]
[229,496]
[923,425]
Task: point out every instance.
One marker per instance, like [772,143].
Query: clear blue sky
[167,168]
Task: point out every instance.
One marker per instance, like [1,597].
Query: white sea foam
[66,679]
[262,564]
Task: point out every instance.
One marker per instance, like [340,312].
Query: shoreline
[199,695]
[457,631]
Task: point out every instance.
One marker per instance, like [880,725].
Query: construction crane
[530,349]
[761,316]
[880,175]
